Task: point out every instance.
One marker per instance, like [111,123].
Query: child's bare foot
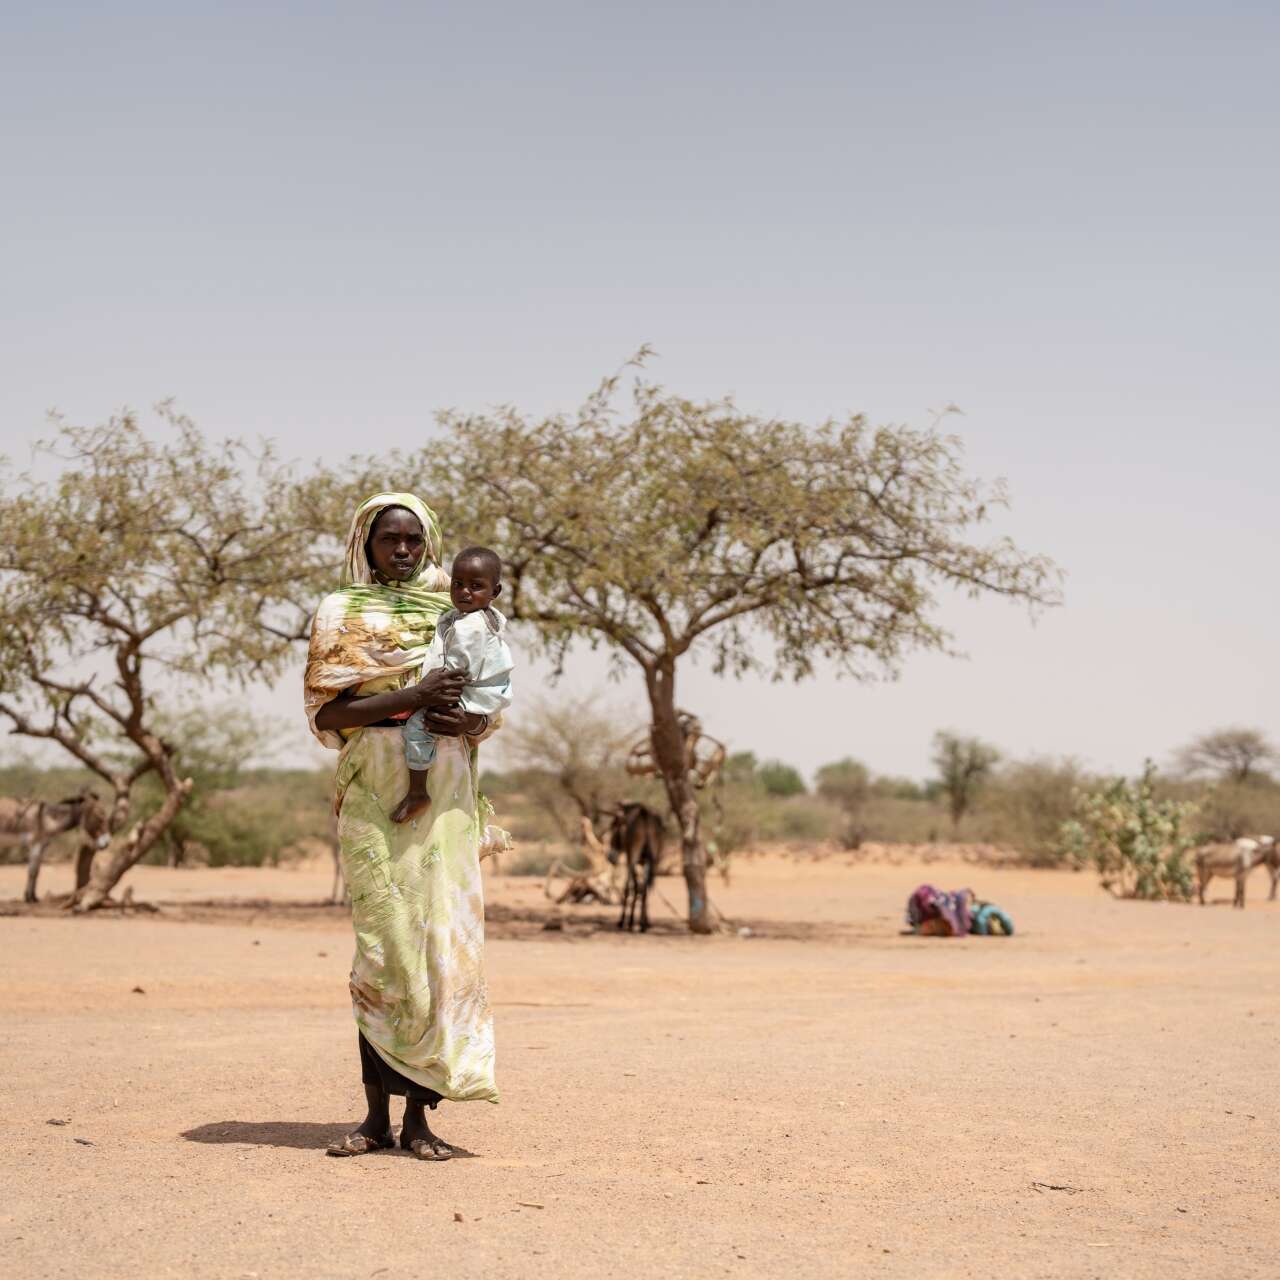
[410,807]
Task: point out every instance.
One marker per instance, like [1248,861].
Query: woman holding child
[410,854]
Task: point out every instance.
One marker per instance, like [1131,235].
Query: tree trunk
[669,756]
[124,851]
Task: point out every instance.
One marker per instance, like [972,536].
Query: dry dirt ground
[1094,1097]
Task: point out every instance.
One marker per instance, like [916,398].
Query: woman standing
[417,980]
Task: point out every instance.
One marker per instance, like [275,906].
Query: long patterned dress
[417,978]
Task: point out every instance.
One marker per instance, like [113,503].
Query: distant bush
[846,784]
[1232,809]
[528,818]
[1025,805]
[807,821]
[964,767]
[261,820]
[893,820]
[740,768]
[493,783]
[779,779]
[892,788]
[240,816]
[733,823]
[536,860]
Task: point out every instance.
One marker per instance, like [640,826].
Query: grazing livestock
[637,835]
[1236,860]
[31,824]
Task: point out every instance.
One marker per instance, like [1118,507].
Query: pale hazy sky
[323,222]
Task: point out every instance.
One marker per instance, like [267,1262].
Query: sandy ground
[821,1098]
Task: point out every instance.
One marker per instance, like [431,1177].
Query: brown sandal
[430,1149]
[359,1144]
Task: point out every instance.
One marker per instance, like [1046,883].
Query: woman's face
[396,543]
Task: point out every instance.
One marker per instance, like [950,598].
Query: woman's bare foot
[410,807]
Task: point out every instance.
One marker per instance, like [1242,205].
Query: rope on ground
[666,902]
[726,925]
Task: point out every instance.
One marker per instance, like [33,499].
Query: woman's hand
[438,689]
[446,722]
[453,722]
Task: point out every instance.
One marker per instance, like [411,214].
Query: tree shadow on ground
[297,1135]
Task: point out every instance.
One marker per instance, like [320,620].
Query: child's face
[473,586]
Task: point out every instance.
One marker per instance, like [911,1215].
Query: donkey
[636,834]
[31,824]
[1236,860]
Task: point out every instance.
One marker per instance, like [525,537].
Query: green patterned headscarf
[369,631]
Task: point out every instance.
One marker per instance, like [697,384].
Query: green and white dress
[417,979]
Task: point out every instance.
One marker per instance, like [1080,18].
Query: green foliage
[494,784]
[963,765]
[174,546]
[847,785]
[892,788]
[672,527]
[740,768]
[802,821]
[534,858]
[144,558]
[779,779]
[1025,805]
[28,781]
[232,828]
[1229,809]
[1137,841]
[684,524]
[750,817]
[892,820]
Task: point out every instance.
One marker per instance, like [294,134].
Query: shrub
[779,779]
[1232,809]
[807,821]
[1026,805]
[1137,841]
[847,784]
[536,860]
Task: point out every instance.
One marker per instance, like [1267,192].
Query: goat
[31,824]
[636,834]
[1237,860]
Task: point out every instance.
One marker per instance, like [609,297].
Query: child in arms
[469,637]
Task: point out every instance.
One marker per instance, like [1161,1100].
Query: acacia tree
[140,566]
[963,766]
[682,528]
[1233,754]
